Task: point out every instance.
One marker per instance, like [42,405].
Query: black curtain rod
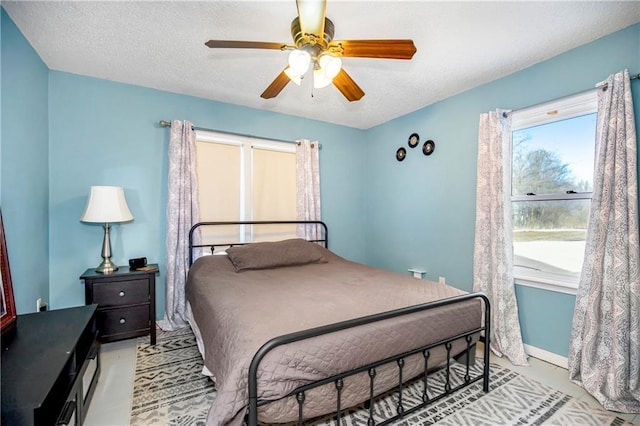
[165,123]
[604,86]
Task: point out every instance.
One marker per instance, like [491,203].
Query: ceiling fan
[313,47]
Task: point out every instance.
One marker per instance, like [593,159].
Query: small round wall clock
[428,147]
[401,154]
[414,140]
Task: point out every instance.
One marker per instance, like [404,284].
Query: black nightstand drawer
[118,293]
[129,321]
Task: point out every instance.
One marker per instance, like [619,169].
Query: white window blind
[274,192]
[242,178]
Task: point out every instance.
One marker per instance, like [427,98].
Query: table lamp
[106,204]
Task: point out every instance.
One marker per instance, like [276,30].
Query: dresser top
[33,359]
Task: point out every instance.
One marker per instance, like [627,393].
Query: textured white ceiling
[460,45]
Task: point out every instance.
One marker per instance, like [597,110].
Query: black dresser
[50,367]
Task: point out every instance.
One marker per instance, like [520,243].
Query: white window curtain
[604,353]
[182,214]
[308,187]
[493,250]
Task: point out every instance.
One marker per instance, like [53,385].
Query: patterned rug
[169,389]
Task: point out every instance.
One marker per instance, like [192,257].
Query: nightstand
[126,302]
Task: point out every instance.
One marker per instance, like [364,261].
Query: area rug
[169,389]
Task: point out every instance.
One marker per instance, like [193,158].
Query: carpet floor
[169,389]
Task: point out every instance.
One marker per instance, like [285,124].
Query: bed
[291,331]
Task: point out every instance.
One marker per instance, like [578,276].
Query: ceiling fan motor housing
[302,40]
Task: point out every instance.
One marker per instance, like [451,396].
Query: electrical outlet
[417,273]
[40,305]
[441,280]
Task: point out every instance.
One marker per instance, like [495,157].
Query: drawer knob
[121,294]
[122,320]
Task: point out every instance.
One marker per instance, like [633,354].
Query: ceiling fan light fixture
[299,61]
[330,65]
[320,79]
[296,78]
[314,47]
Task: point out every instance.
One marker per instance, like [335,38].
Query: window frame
[549,112]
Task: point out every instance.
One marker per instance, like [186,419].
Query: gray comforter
[237,312]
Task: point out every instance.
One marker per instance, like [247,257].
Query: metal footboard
[339,379]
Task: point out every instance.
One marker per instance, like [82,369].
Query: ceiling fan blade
[245,44]
[387,49]
[347,86]
[276,86]
[311,14]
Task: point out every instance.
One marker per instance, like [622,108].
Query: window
[552,167]
[243,178]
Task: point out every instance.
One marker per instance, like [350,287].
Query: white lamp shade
[320,80]
[106,204]
[299,61]
[297,79]
[330,65]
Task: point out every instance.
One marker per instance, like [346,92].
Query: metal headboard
[324,232]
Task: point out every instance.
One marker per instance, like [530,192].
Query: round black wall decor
[428,147]
[414,140]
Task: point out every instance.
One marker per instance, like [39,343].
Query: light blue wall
[421,212]
[106,133]
[24,166]
[545,318]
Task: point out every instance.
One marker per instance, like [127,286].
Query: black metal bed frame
[323,227]
[399,359]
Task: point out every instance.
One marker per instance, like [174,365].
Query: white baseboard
[547,356]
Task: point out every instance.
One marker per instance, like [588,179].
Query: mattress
[237,312]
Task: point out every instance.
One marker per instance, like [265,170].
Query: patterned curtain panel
[308,187]
[493,250]
[604,354]
[182,214]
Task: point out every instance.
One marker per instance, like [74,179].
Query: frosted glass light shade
[299,61]
[320,80]
[297,79]
[106,204]
[330,65]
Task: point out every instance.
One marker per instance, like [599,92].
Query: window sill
[546,281]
